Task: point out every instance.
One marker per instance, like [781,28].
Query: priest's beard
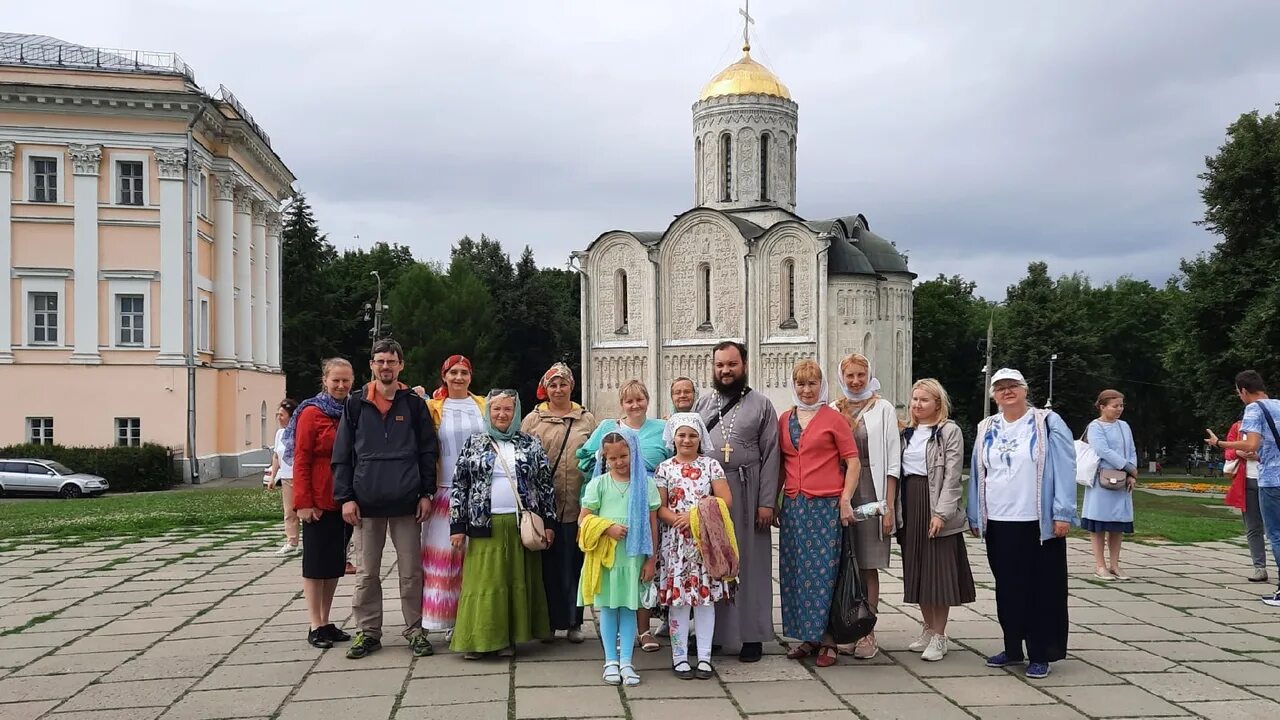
[732,388]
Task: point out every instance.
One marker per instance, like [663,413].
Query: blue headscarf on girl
[639,540]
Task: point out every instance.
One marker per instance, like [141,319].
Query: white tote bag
[1086,462]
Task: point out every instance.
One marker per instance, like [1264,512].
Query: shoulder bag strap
[515,487]
[1271,423]
[713,422]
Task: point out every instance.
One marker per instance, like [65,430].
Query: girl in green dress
[624,494]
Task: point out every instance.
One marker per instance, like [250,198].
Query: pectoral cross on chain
[728,449]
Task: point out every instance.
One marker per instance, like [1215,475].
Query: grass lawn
[134,514]
[1180,519]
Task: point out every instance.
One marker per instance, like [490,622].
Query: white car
[48,477]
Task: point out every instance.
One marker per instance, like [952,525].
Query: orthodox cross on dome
[747,22]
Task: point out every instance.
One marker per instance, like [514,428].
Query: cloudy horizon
[979,139]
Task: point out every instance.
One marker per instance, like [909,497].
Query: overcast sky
[978,136]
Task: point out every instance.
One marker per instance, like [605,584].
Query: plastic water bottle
[869,510]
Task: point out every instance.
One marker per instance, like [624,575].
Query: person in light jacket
[935,566]
[1022,499]
[1108,514]
[875,429]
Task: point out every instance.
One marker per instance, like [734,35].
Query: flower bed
[1207,488]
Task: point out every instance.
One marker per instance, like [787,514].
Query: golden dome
[745,77]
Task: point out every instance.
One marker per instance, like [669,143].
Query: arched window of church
[621,310]
[704,297]
[788,295]
[764,165]
[697,170]
[726,153]
[791,162]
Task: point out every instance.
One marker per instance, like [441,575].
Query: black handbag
[851,617]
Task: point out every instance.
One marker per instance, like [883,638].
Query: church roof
[745,77]
[845,259]
[862,251]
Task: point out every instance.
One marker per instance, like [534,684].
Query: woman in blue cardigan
[1107,512]
[1022,499]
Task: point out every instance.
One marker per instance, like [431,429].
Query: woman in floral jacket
[499,472]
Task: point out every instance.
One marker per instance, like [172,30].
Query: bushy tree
[308,300]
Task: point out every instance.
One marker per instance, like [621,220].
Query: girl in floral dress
[684,585]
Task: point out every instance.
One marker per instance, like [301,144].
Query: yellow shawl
[599,549]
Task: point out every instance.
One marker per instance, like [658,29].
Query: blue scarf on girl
[325,403]
[639,540]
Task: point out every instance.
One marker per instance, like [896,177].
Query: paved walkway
[204,626]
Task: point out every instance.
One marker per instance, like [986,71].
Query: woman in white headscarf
[814,441]
[875,429]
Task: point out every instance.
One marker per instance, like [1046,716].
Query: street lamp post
[376,310]
[1049,403]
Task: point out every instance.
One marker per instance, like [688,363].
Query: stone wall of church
[694,309]
[862,312]
[745,119]
[621,318]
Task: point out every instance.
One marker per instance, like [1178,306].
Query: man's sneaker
[1036,671]
[937,649]
[1259,575]
[363,646]
[1002,660]
[420,645]
[334,633]
[287,549]
[1273,600]
[922,643]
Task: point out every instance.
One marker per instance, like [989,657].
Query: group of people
[507,525]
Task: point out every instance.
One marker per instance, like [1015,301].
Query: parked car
[47,477]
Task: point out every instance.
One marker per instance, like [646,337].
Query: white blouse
[913,459]
[1011,471]
[502,493]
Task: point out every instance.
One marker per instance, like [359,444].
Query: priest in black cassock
[744,431]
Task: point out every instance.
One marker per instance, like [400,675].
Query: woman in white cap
[1022,499]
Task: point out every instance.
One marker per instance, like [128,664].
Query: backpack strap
[1271,423]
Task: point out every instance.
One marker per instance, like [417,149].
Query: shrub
[127,469]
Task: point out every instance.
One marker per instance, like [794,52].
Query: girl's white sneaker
[937,649]
[922,643]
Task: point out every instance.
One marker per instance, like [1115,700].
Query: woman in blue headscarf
[499,472]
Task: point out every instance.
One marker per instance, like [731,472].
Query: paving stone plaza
[209,625]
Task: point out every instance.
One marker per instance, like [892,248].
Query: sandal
[648,642]
[801,651]
[611,675]
[684,674]
[827,656]
[705,670]
[630,677]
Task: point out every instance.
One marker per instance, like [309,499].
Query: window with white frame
[40,430]
[44,179]
[43,322]
[130,182]
[128,431]
[204,325]
[202,194]
[131,316]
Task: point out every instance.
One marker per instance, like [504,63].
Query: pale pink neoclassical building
[139,257]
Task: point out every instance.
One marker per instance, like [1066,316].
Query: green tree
[357,290]
[308,297]
[950,330]
[1228,318]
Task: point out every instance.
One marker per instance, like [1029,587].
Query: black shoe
[334,633]
[319,638]
[751,652]
[683,670]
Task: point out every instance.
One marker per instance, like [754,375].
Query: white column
[273,291]
[260,285]
[172,163]
[6,252]
[244,279]
[85,161]
[224,285]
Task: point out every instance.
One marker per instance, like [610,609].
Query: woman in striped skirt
[935,566]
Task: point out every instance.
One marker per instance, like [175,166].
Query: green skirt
[502,601]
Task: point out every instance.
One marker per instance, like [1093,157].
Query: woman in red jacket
[1243,495]
[309,439]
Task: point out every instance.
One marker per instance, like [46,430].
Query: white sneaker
[287,549]
[937,649]
[1104,574]
[922,642]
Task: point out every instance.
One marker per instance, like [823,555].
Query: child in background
[685,586]
[623,494]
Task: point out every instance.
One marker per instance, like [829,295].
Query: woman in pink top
[815,443]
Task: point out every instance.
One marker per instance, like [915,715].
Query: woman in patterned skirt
[815,441]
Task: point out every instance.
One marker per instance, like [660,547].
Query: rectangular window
[44,180]
[202,194]
[44,318]
[129,173]
[128,432]
[132,318]
[204,325]
[40,430]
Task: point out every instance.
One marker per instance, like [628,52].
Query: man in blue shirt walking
[1260,433]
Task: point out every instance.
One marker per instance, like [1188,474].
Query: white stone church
[742,265]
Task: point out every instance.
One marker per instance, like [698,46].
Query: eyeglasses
[385,363]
